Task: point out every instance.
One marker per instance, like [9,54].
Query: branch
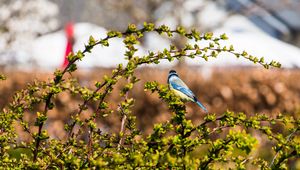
[289,137]
[215,152]
[122,127]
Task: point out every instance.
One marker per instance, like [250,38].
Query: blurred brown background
[249,90]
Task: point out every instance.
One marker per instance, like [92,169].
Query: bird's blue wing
[177,84]
[182,89]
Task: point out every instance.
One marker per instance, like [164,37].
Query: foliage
[175,144]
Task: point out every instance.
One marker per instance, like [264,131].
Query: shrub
[175,144]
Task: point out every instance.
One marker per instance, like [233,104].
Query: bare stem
[122,130]
[289,137]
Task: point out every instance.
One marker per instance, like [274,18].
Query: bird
[181,90]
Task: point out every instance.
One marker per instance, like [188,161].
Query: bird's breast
[181,95]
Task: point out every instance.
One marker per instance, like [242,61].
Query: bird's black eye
[172,71]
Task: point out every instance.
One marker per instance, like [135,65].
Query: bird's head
[172,73]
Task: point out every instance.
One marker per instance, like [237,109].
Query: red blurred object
[69,31]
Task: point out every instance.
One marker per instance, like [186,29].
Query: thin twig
[216,152]
[122,128]
[57,80]
[289,137]
[81,107]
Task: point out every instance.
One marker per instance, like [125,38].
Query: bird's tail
[202,107]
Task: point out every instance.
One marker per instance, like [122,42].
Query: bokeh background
[36,35]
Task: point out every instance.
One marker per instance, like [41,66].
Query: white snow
[48,50]
[211,15]
[24,20]
[100,56]
[155,42]
[244,35]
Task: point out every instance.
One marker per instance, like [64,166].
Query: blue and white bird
[181,89]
